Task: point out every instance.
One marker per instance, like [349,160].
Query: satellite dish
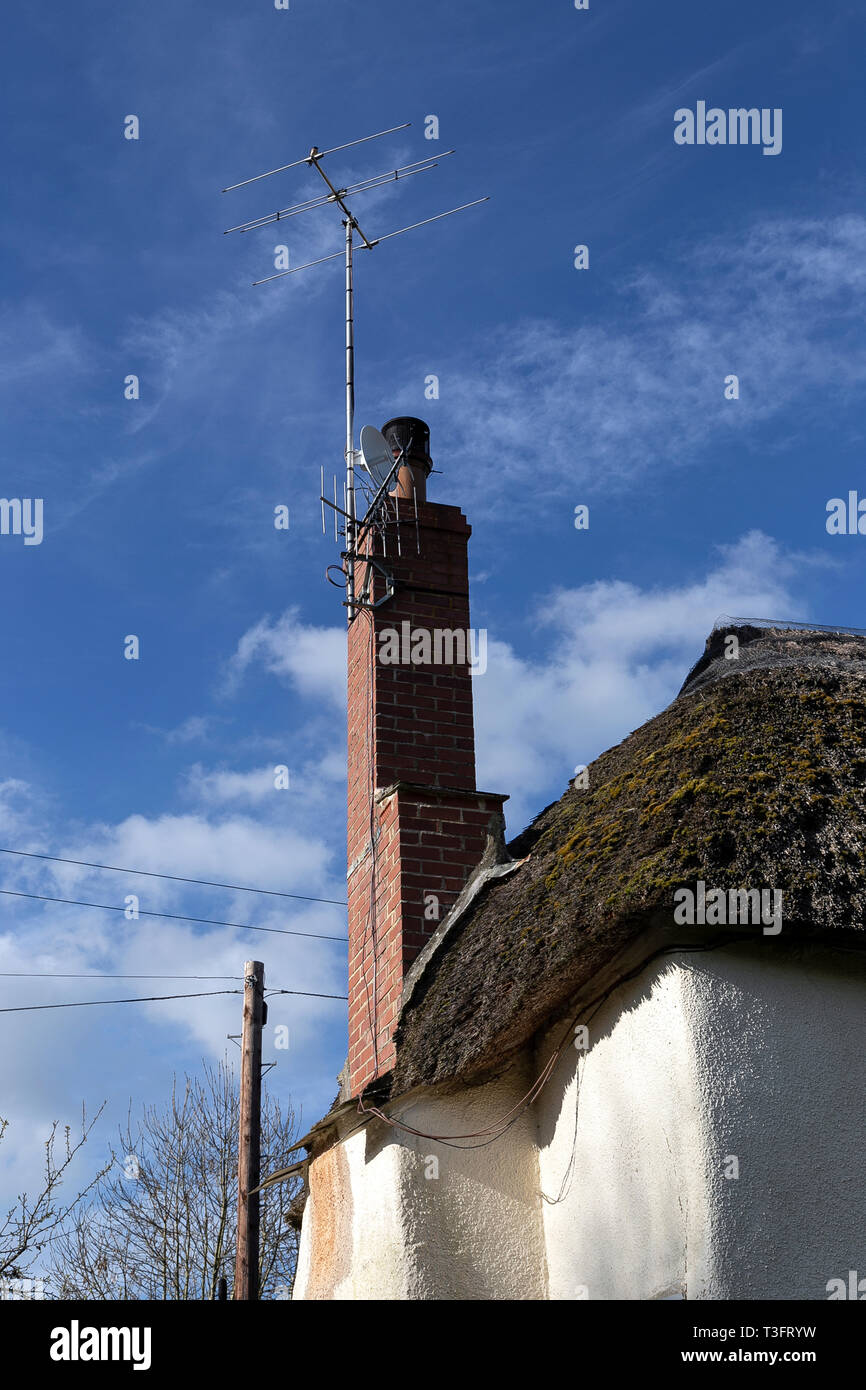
[376,454]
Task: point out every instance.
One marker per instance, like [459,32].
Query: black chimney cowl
[413,436]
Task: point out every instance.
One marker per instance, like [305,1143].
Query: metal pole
[350,425]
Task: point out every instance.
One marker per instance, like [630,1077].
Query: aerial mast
[338,196]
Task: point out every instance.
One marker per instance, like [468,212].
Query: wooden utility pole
[246,1285]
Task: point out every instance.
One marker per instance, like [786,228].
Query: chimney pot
[411,435]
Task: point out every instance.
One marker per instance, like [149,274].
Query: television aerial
[375,467]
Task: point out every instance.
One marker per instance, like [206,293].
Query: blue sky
[557,387]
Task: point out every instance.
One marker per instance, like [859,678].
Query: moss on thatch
[756,780]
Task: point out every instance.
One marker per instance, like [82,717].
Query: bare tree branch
[162,1221]
[29,1225]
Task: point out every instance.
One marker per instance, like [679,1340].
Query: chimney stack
[417,825]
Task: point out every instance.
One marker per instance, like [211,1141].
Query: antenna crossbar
[421,166]
[338,199]
[316,154]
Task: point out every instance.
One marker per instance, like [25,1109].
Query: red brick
[421,731]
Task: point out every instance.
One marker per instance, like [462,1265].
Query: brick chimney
[417,825]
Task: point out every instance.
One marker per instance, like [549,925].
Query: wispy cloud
[195,728]
[604,403]
[37,350]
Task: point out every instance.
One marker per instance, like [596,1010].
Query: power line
[307,995]
[175,878]
[155,998]
[89,1003]
[99,975]
[175,916]
[95,975]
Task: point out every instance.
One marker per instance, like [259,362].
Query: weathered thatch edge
[480,880]
[755,780]
[656,942]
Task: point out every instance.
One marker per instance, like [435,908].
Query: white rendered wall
[783,1080]
[351,1244]
[379,1223]
[621,1156]
[754,1052]
[476,1231]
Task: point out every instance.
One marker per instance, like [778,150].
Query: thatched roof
[755,776]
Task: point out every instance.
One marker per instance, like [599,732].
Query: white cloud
[617,655]
[311,789]
[116,1051]
[311,659]
[15,803]
[237,848]
[217,788]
